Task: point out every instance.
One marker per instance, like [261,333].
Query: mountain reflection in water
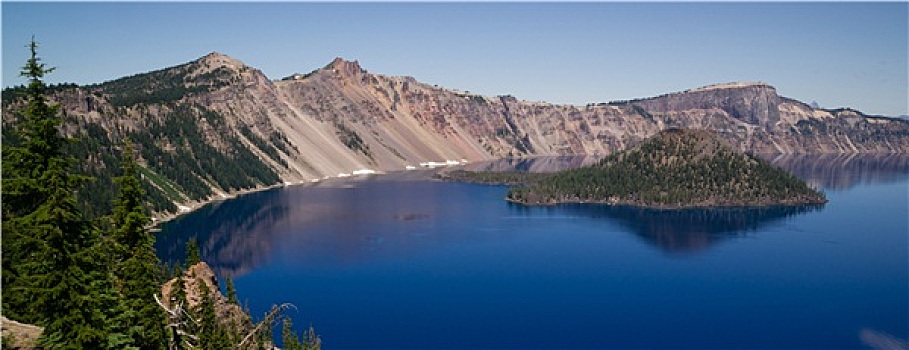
[344,221]
[405,213]
[844,171]
[688,230]
[233,235]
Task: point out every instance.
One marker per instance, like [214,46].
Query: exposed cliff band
[215,127]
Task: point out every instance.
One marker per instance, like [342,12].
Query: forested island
[676,168]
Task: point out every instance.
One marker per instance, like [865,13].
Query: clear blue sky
[838,54]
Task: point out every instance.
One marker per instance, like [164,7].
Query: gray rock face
[753,103]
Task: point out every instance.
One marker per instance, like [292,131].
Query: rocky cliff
[215,127]
[193,279]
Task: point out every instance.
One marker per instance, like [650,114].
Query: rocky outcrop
[751,103]
[194,278]
[19,336]
[341,119]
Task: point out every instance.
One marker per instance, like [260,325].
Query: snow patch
[448,162]
[431,164]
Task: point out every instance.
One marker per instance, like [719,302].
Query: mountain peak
[214,54]
[217,59]
[346,67]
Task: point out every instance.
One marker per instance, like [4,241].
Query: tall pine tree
[138,272]
[40,144]
[289,336]
[231,292]
[212,334]
[56,279]
[309,341]
[25,164]
[192,253]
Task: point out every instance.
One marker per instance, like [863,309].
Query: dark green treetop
[192,253]
[231,292]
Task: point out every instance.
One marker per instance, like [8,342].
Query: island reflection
[238,235]
[689,230]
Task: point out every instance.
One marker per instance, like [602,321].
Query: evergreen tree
[39,144]
[265,337]
[176,271]
[211,334]
[309,340]
[192,253]
[56,277]
[139,272]
[231,292]
[66,300]
[17,248]
[289,337]
[25,164]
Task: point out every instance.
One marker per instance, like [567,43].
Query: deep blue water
[403,263]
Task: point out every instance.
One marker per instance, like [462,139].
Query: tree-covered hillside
[94,283]
[186,152]
[164,85]
[674,169]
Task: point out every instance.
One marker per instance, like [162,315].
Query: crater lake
[400,261]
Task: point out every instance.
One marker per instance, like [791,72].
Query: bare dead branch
[269,318]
